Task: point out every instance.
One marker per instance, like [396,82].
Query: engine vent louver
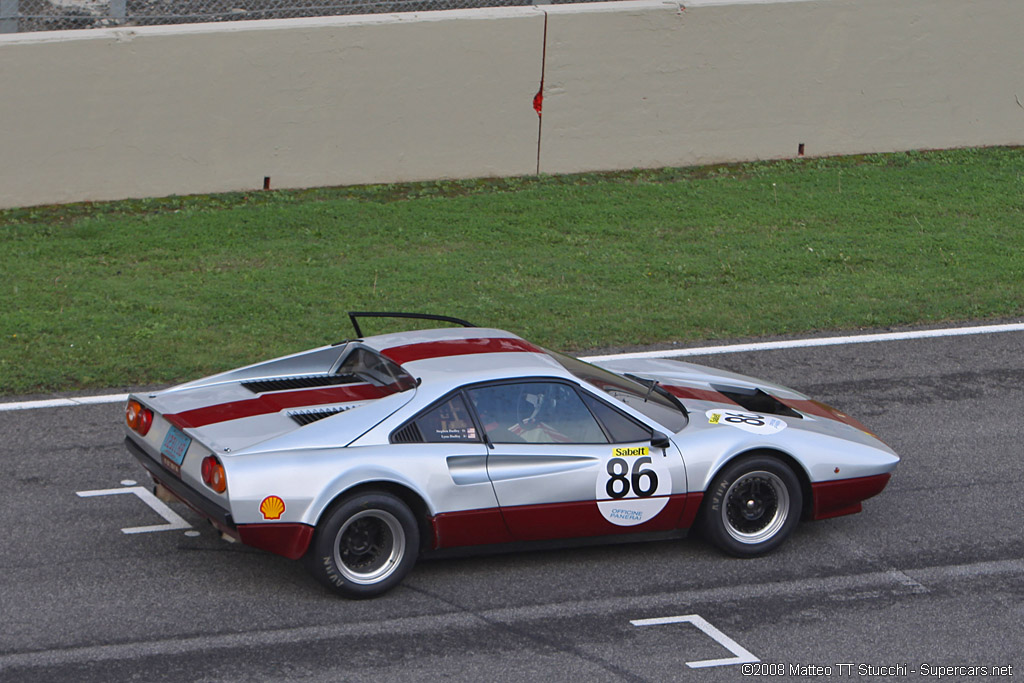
[259,386]
[756,401]
[308,416]
[410,433]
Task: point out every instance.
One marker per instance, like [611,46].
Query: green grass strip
[153,291]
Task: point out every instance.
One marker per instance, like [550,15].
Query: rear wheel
[365,545]
[752,506]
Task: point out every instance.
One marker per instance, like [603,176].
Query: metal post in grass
[119,10]
[8,16]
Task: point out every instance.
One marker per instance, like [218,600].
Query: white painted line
[665,353]
[909,582]
[805,343]
[209,643]
[94,400]
[64,402]
[741,654]
[174,521]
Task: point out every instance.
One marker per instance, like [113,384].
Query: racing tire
[365,545]
[752,506]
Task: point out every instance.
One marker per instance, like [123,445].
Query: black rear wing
[354,315]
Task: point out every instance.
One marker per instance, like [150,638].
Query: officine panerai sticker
[272,507]
[633,485]
[748,422]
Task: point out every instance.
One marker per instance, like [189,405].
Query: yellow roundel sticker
[272,507]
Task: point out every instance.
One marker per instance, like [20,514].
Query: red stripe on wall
[457,347]
[273,403]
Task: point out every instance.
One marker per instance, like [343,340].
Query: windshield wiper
[671,397]
[649,383]
[655,385]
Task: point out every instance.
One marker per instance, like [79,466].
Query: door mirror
[659,440]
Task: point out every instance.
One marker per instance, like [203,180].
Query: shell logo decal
[272,507]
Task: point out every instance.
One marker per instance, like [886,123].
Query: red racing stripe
[844,496]
[582,519]
[698,394]
[579,519]
[289,540]
[458,347]
[273,403]
[470,527]
[819,409]
[809,406]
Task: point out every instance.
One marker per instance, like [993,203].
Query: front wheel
[365,545]
[752,506]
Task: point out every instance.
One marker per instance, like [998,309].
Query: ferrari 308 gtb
[360,456]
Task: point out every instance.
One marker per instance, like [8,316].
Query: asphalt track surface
[929,576]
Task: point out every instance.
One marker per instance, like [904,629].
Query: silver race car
[360,456]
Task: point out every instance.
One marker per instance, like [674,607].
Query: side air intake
[410,433]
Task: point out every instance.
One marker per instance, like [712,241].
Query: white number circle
[633,485]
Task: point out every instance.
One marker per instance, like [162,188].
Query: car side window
[621,428]
[449,421]
[535,412]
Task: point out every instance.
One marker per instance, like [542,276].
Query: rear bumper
[289,540]
[844,496]
[219,516]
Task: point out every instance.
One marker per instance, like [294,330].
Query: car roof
[464,355]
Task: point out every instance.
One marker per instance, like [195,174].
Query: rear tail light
[213,474]
[140,419]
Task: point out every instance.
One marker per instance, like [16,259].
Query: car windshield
[376,369]
[647,399]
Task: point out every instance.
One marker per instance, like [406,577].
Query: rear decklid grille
[305,417]
[259,386]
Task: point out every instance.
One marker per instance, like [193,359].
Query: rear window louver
[259,386]
[756,401]
[410,433]
[305,417]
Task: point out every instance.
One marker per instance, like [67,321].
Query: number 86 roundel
[633,486]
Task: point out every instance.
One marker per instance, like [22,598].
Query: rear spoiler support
[354,315]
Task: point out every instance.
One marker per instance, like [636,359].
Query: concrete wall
[106,114]
[647,86]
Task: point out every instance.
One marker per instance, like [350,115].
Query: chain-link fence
[56,15]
